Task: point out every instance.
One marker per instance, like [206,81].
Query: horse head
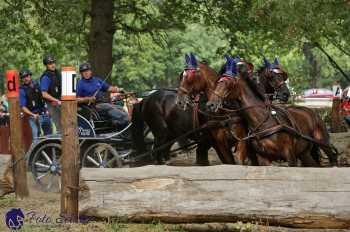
[223,94]
[195,79]
[273,79]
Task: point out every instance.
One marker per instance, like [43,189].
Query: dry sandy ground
[41,208]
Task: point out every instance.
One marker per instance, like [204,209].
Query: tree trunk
[314,67]
[291,197]
[101,37]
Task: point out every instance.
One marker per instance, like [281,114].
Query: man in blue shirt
[32,104]
[91,89]
[50,85]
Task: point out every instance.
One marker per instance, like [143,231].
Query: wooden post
[70,147]
[337,124]
[16,142]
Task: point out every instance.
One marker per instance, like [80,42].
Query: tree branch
[333,63]
[337,45]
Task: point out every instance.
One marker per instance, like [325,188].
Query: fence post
[70,147]
[16,142]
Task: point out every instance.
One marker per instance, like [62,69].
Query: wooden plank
[281,196]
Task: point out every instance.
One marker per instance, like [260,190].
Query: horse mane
[209,71]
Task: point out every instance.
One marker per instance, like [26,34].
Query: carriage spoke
[51,178]
[99,157]
[93,161]
[46,157]
[43,175]
[53,153]
[42,165]
[105,156]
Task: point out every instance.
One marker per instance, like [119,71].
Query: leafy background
[150,37]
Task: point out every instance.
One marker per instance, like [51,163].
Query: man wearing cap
[91,89]
[50,85]
[33,104]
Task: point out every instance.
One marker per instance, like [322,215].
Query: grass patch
[7,201]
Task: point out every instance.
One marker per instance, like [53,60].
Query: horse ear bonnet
[230,67]
[237,59]
[266,62]
[276,63]
[191,61]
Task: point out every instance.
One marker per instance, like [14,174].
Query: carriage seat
[101,124]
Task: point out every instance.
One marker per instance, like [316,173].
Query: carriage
[101,146]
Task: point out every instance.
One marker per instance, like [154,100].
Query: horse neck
[263,85]
[210,78]
[253,108]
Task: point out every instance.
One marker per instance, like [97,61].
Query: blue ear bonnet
[267,64]
[230,66]
[191,61]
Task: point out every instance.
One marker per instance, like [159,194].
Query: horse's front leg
[202,152]
[224,143]
[290,156]
[242,149]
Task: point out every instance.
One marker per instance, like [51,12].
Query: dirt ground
[41,209]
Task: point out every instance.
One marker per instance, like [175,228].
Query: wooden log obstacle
[281,196]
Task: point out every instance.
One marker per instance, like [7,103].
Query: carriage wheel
[101,155]
[46,167]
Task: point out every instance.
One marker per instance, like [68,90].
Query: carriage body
[101,146]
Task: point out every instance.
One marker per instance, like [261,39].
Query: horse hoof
[203,163]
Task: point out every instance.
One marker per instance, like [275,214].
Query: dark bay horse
[272,79]
[200,80]
[166,122]
[264,123]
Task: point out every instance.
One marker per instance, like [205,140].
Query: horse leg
[161,133]
[322,136]
[162,154]
[307,160]
[241,152]
[262,161]
[223,145]
[316,154]
[332,154]
[202,153]
[290,156]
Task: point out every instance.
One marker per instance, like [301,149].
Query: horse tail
[137,128]
[323,136]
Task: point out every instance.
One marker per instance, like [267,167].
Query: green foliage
[151,37]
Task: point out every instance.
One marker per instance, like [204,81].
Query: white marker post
[70,146]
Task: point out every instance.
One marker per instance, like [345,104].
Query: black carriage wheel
[101,155]
[46,167]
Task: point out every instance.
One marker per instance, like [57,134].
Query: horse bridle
[191,99]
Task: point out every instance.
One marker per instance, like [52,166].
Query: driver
[91,89]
